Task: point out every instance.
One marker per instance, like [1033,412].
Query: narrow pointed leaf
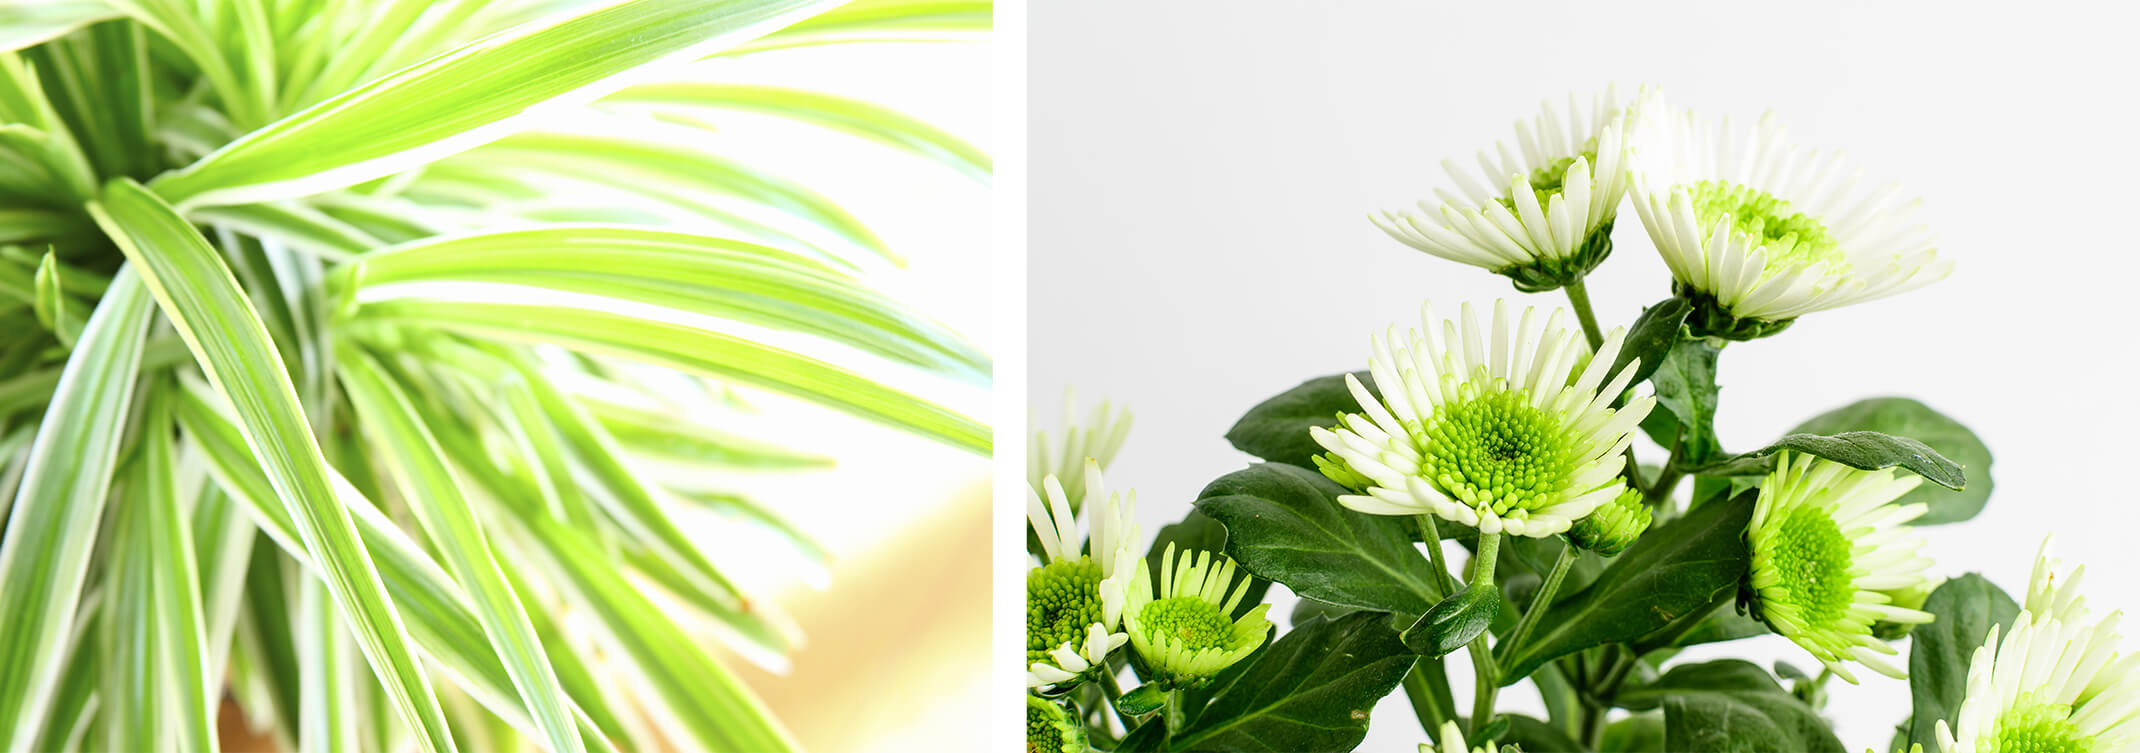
[413,458]
[53,521]
[876,123]
[471,95]
[436,608]
[182,676]
[204,303]
[694,350]
[713,276]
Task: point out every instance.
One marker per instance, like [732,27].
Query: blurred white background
[904,599]
[1201,175]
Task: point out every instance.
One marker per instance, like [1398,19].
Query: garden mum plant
[1478,488]
[339,334]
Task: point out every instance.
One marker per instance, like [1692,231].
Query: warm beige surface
[897,658]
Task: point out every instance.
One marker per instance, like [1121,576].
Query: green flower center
[1495,449]
[1062,601]
[1793,240]
[1196,623]
[1812,557]
[1547,181]
[1041,733]
[2032,727]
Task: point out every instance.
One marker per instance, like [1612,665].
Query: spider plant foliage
[336,331]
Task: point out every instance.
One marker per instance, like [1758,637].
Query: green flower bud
[1614,526]
[1335,469]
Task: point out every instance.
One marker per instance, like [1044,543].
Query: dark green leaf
[1149,737]
[1454,622]
[1284,523]
[1145,699]
[1863,450]
[1685,385]
[1904,417]
[1641,733]
[1687,565]
[1533,735]
[1276,430]
[1307,609]
[1652,337]
[1731,705]
[1311,691]
[1494,729]
[1965,609]
[1536,556]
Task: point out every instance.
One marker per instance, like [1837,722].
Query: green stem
[1489,555]
[1112,688]
[1660,491]
[1427,687]
[1482,657]
[1579,299]
[1442,585]
[1177,718]
[1598,698]
[1542,600]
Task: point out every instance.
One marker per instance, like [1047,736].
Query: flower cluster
[1091,596]
[1511,435]
[1756,230]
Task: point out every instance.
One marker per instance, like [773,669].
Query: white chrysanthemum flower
[1097,438]
[1758,232]
[1184,632]
[1540,213]
[2055,684]
[1074,600]
[1452,741]
[1512,430]
[1829,553]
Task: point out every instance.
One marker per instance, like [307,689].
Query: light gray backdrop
[1202,172]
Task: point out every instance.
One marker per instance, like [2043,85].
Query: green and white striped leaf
[472,95]
[874,122]
[187,699]
[52,524]
[685,348]
[25,24]
[436,608]
[414,459]
[699,274]
[204,303]
[882,21]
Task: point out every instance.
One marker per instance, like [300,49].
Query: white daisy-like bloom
[1452,741]
[1828,554]
[1509,429]
[1760,232]
[2054,684]
[1540,212]
[1062,453]
[1074,600]
[1185,631]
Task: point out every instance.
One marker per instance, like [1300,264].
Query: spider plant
[336,334]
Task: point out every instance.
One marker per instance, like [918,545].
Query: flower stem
[1579,299]
[1176,717]
[1431,535]
[1484,670]
[1489,555]
[1542,600]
